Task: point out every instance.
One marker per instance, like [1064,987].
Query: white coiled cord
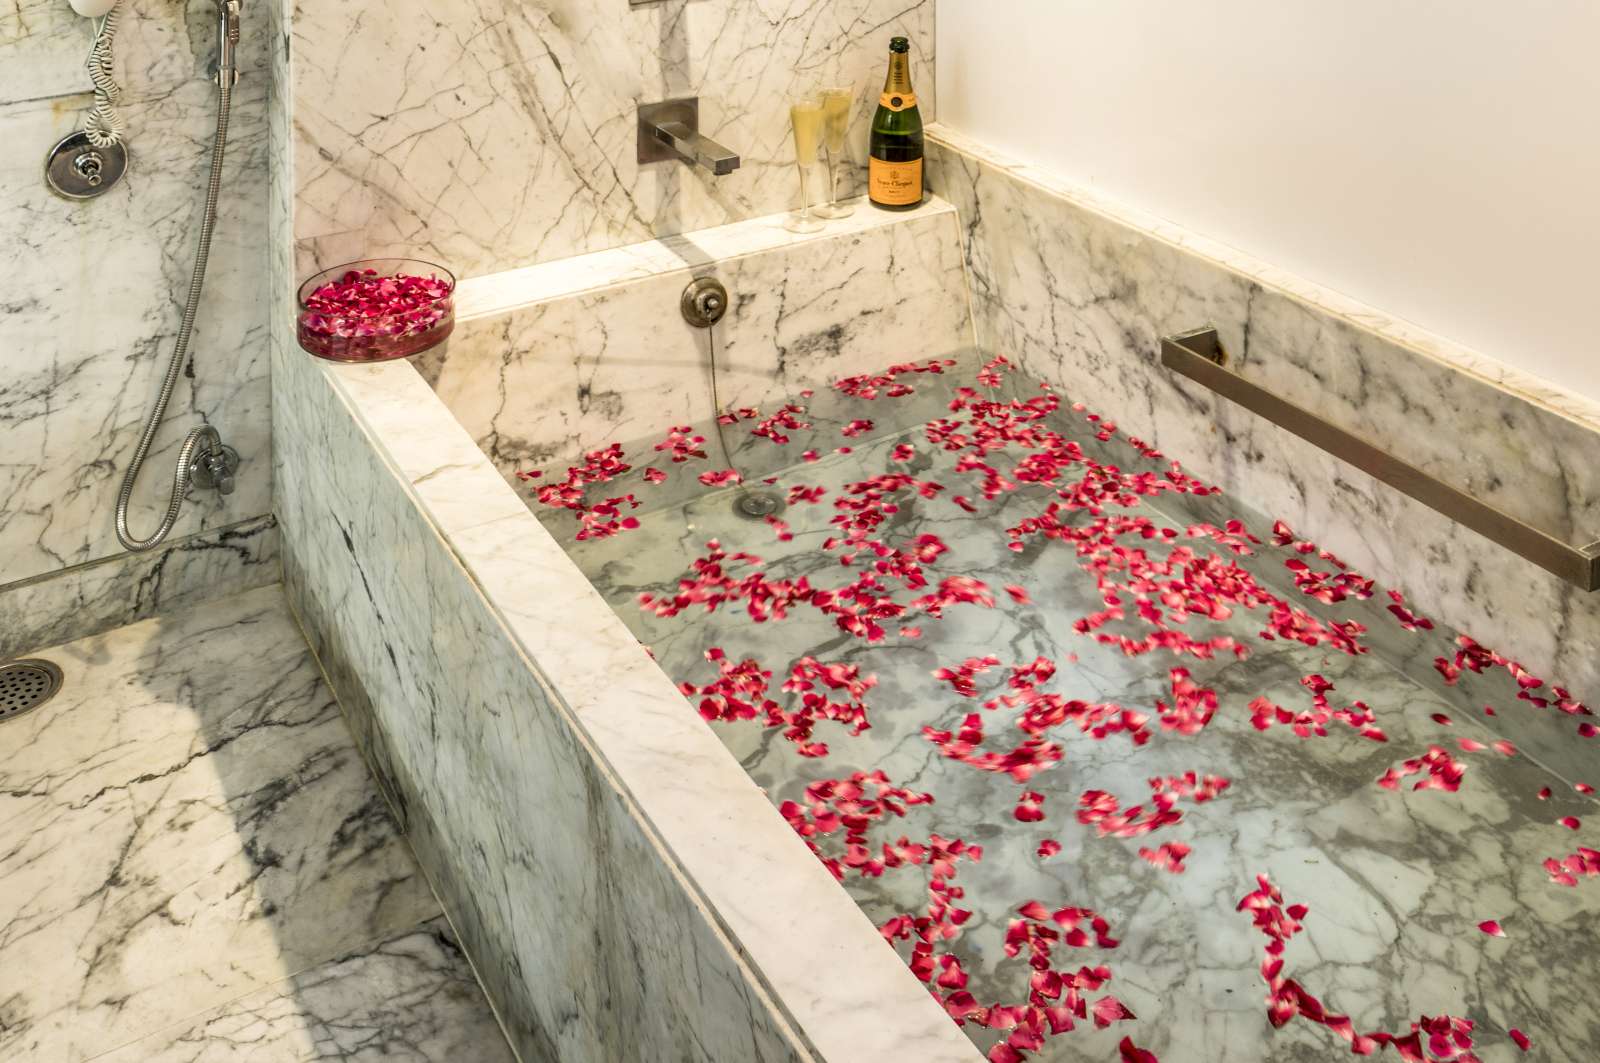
[104,126]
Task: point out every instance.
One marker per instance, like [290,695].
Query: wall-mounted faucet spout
[671,130]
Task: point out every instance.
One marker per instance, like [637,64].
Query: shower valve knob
[88,166]
[704,302]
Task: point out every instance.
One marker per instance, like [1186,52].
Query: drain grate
[25,685]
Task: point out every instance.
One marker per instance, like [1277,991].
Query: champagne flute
[837,103]
[805,112]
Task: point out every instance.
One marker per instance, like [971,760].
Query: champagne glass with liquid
[806,114]
[837,103]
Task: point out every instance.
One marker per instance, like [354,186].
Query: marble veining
[652,937]
[1080,294]
[588,943]
[508,135]
[410,998]
[1396,882]
[91,316]
[88,599]
[187,822]
[543,381]
[160,44]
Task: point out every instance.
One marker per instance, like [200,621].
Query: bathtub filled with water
[1120,768]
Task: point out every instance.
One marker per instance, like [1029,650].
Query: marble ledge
[114,591]
[1533,390]
[500,293]
[715,825]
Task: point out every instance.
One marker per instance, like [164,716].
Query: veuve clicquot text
[894,179]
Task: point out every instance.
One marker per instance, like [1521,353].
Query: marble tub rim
[1544,396]
[768,895]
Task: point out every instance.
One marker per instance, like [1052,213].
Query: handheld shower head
[227,41]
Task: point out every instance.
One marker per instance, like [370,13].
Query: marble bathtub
[620,872]
[623,887]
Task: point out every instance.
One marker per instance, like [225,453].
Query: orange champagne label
[898,101]
[895,184]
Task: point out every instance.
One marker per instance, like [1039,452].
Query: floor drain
[25,685]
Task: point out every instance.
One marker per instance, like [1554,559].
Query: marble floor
[196,865]
[1397,878]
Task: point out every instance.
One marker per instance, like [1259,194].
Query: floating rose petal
[1492,928]
[680,445]
[1048,848]
[1168,857]
[1444,772]
[1030,807]
[721,478]
[1132,1053]
[1544,793]
[1520,1038]
[1018,594]
[1109,1009]
[1570,822]
[1442,719]
[1583,788]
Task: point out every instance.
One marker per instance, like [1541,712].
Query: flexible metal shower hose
[180,350]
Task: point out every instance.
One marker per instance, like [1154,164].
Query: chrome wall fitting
[213,468]
[671,130]
[704,302]
[76,169]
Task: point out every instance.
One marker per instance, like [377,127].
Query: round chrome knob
[704,302]
[88,166]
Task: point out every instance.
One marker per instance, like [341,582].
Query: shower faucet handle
[703,302]
[214,468]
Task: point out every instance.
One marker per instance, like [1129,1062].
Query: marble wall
[1080,291]
[484,136]
[92,304]
[539,375]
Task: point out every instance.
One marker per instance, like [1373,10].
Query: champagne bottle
[894,179]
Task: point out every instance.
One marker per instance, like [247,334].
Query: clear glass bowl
[381,332]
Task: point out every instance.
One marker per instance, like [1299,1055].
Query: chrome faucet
[671,130]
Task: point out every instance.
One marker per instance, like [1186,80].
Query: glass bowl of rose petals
[376,310]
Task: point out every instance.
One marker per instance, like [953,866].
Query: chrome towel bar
[1198,355]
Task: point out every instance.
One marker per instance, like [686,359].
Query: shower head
[227,41]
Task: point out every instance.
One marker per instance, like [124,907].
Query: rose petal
[1492,928]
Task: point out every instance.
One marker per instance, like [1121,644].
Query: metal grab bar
[1198,355]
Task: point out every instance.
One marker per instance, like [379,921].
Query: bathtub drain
[25,685]
[758,505]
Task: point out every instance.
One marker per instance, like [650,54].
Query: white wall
[1437,159]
